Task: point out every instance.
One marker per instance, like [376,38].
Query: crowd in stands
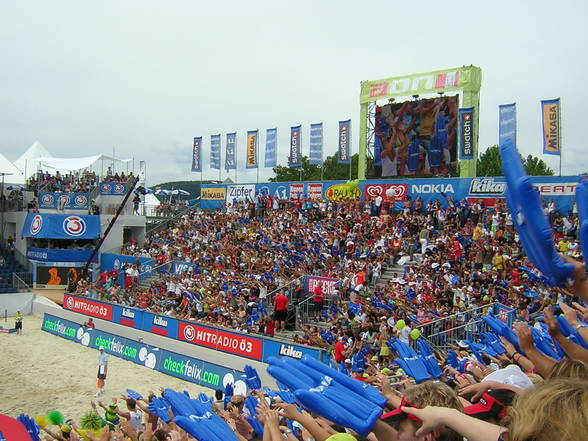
[72,182]
[458,256]
[117,177]
[170,208]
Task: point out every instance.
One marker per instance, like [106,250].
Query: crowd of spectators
[72,182]
[457,256]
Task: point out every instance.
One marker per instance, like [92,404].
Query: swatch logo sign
[74,226]
[36,224]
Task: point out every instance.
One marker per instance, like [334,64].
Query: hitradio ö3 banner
[316,144]
[550,116]
[466,133]
[251,159]
[507,123]
[344,152]
[295,156]
[197,155]
[231,153]
[271,139]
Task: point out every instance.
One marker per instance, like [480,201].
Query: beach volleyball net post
[464,81]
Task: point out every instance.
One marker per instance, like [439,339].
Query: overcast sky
[147,76]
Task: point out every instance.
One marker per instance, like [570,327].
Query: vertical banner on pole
[550,116]
[197,155]
[507,124]
[251,158]
[142,171]
[295,156]
[215,153]
[316,144]
[344,152]
[466,133]
[230,155]
[271,139]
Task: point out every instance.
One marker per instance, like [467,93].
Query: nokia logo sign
[432,188]
[487,186]
[289,351]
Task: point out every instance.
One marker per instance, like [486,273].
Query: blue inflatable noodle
[531,223]
[582,203]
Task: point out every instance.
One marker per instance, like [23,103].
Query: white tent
[151,202]
[27,162]
[75,163]
[9,173]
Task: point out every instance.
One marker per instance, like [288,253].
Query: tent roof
[151,199]
[26,162]
[74,163]
[8,168]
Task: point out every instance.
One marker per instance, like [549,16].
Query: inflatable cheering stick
[429,359]
[196,419]
[30,425]
[205,400]
[252,378]
[134,395]
[570,332]
[544,343]
[329,393]
[501,329]
[582,203]
[409,361]
[251,403]
[160,407]
[531,223]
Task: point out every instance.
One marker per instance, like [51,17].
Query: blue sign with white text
[113,189]
[58,255]
[61,226]
[69,201]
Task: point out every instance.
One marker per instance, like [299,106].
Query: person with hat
[102,371]
[18,322]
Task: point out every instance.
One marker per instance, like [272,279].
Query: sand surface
[40,372]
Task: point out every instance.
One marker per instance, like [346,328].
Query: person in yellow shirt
[18,322]
[563,245]
[477,233]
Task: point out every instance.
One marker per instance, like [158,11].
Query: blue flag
[271,140]
[316,144]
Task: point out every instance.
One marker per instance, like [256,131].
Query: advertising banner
[110,261]
[179,267]
[280,190]
[88,307]
[180,366]
[328,284]
[239,193]
[215,152]
[466,133]
[315,190]
[61,226]
[295,156]
[57,255]
[550,117]
[344,151]
[342,192]
[55,275]
[271,143]
[197,155]
[238,344]
[505,314]
[160,325]
[213,193]
[113,189]
[296,191]
[507,124]
[316,144]
[468,78]
[272,348]
[231,152]
[398,192]
[70,201]
[251,150]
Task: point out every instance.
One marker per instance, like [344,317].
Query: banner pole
[257,155]
[560,137]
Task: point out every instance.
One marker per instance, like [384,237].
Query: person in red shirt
[339,352]
[280,311]
[318,300]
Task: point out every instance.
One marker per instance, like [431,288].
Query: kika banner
[466,133]
[215,152]
[316,144]
[550,115]
[271,140]
[197,155]
[344,152]
[295,156]
[251,159]
[507,124]
[231,153]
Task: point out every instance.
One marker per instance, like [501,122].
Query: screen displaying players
[416,138]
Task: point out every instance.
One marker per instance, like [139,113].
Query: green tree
[489,164]
[536,166]
[332,171]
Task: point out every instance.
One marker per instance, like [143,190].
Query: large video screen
[416,138]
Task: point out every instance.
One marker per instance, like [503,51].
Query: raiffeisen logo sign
[487,186]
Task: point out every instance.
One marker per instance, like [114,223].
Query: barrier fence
[243,345]
[181,366]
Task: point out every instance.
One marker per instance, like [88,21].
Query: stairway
[8,267]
